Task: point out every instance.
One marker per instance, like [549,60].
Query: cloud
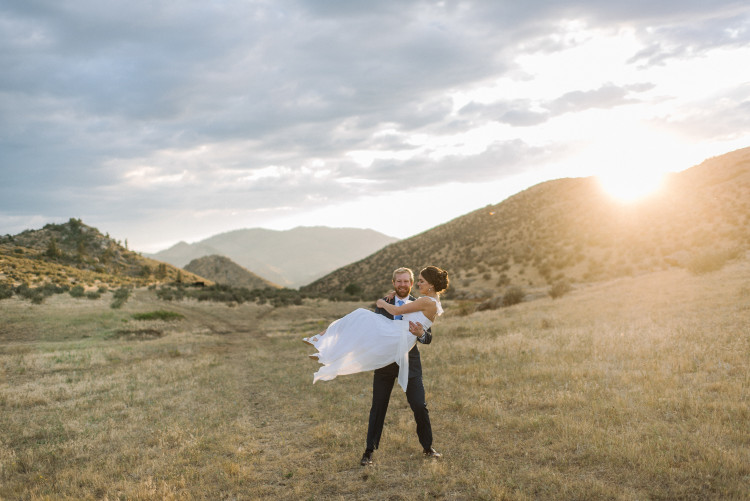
[607,96]
[727,117]
[140,109]
[693,37]
[525,112]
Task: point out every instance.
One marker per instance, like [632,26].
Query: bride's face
[423,285]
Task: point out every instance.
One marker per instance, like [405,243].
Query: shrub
[353,289]
[51,288]
[513,295]
[169,294]
[77,291]
[559,289]
[119,297]
[6,291]
[35,295]
[93,295]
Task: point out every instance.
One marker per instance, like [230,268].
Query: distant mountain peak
[290,258]
[223,270]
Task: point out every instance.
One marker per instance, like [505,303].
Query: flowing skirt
[363,341]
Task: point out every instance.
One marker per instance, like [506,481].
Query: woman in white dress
[364,340]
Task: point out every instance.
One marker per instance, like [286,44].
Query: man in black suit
[383,379]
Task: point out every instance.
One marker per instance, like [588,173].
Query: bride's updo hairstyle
[435,277]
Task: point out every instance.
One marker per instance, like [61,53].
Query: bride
[364,340]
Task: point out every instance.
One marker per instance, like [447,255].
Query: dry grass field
[633,389]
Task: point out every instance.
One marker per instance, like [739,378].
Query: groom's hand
[416,328]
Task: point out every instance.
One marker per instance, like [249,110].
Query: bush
[559,289]
[35,295]
[353,289]
[169,294]
[93,295]
[237,295]
[513,295]
[6,291]
[50,288]
[119,297]
[77,291]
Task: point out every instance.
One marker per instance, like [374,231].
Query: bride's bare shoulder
[427,302]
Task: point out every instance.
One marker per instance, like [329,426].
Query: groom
[383,379]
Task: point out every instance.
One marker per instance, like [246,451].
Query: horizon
[166,124]
[613,192]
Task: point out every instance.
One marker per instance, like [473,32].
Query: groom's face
[402,284]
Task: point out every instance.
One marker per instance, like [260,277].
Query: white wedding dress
[364,340]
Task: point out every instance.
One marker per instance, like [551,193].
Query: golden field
[632,389]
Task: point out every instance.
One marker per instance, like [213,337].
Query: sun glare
[631,186]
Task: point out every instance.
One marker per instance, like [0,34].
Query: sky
[161,121]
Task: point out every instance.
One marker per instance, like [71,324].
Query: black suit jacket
[415,362]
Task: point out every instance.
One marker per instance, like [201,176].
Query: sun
[630,186]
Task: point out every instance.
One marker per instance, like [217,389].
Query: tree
[53,250]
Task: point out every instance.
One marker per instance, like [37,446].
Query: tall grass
[634,389]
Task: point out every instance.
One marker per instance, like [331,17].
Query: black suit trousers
[382,384]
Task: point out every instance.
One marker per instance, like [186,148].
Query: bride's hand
[380,303]
[390,295]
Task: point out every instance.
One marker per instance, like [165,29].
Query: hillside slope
[73,252]
[289,258]
[569,229]
[223,270]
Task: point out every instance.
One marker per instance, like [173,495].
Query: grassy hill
[74,253]
[570,230]
[289,258]
[223,270]
[635,388]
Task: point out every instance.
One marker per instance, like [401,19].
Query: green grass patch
[158,315]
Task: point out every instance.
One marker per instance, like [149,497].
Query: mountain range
[560,231]
[571,230]
[288,258]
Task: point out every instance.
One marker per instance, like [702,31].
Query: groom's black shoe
[366,458]
[431,453]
